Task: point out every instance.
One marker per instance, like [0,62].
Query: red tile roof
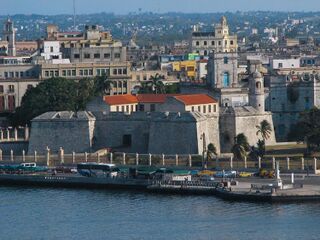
[120,99]
[153,98]
[195,99]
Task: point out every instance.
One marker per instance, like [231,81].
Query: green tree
[264,129]
[102,85]
[261,148]
[55,94]
[241,147]
[212,151]
[308,129]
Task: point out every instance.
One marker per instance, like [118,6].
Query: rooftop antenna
[74,14]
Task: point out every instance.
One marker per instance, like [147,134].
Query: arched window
[197,43]
[258,85]
[226,79]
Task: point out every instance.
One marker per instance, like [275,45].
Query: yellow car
[245,174]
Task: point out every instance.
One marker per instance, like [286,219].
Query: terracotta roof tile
[153,98]
[195,99]
[120,99]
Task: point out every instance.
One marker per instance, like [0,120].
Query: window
[124,71]
[90,72]
[87,45]
[1,88]
[81,72]
[87,55]
[64,73]
[212,43]
[141,107]
[56,73]
[197,43]
[280,65]
[122,108]
[192,109]
[117,55]
[11,88]
[199,109]
[6,74]
[51,49]
[226,42]
[17,74]
[107,55]
[120,71]
[76,55]
[231,42]
[69,72]
[226,79]
[225,60]
[204,109]
[46,73]
[205,53]
[74,73]
[85,72]
[115,72]
[117,108]
[131,108]
[127,108]
[209,108]
[205,43]
[96,55]
[214,108]
[21,74]
[219,43]
[126,140]
[152,108]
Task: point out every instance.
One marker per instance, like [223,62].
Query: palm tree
[157,83]
[102,85]
[211,152]
[241,147]
[264,129]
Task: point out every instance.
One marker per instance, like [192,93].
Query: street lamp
[204,148]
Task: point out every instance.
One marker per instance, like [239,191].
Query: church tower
[10,36]
[256,91]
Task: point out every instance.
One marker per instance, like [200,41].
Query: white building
[285,63]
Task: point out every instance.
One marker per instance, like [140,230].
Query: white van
[28,165]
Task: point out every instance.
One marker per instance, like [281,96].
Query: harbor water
[41,213]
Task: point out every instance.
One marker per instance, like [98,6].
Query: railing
[178,160]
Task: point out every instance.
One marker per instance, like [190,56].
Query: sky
[10,7]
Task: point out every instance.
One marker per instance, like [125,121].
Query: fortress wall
[173,137]
[211,129]
[227,132]
[247,125]
[110,132]
[72,135]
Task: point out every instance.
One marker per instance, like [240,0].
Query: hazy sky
[8,7]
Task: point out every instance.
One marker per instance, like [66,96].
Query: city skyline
[10,7]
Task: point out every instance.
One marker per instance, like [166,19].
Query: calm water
[31,213]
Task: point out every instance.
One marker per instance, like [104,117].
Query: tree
[241,147]
[261,150]
[156,83]
[212,151]
[308,129]
[55,94]
[58,94]
[102,85]
[264,129]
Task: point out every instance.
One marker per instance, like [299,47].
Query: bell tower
[256,91]
[9,35]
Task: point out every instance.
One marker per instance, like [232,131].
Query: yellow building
[188,67]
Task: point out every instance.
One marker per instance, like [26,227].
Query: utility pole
[74,15]
[204,148]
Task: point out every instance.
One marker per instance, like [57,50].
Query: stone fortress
[174,124]
[178,131]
